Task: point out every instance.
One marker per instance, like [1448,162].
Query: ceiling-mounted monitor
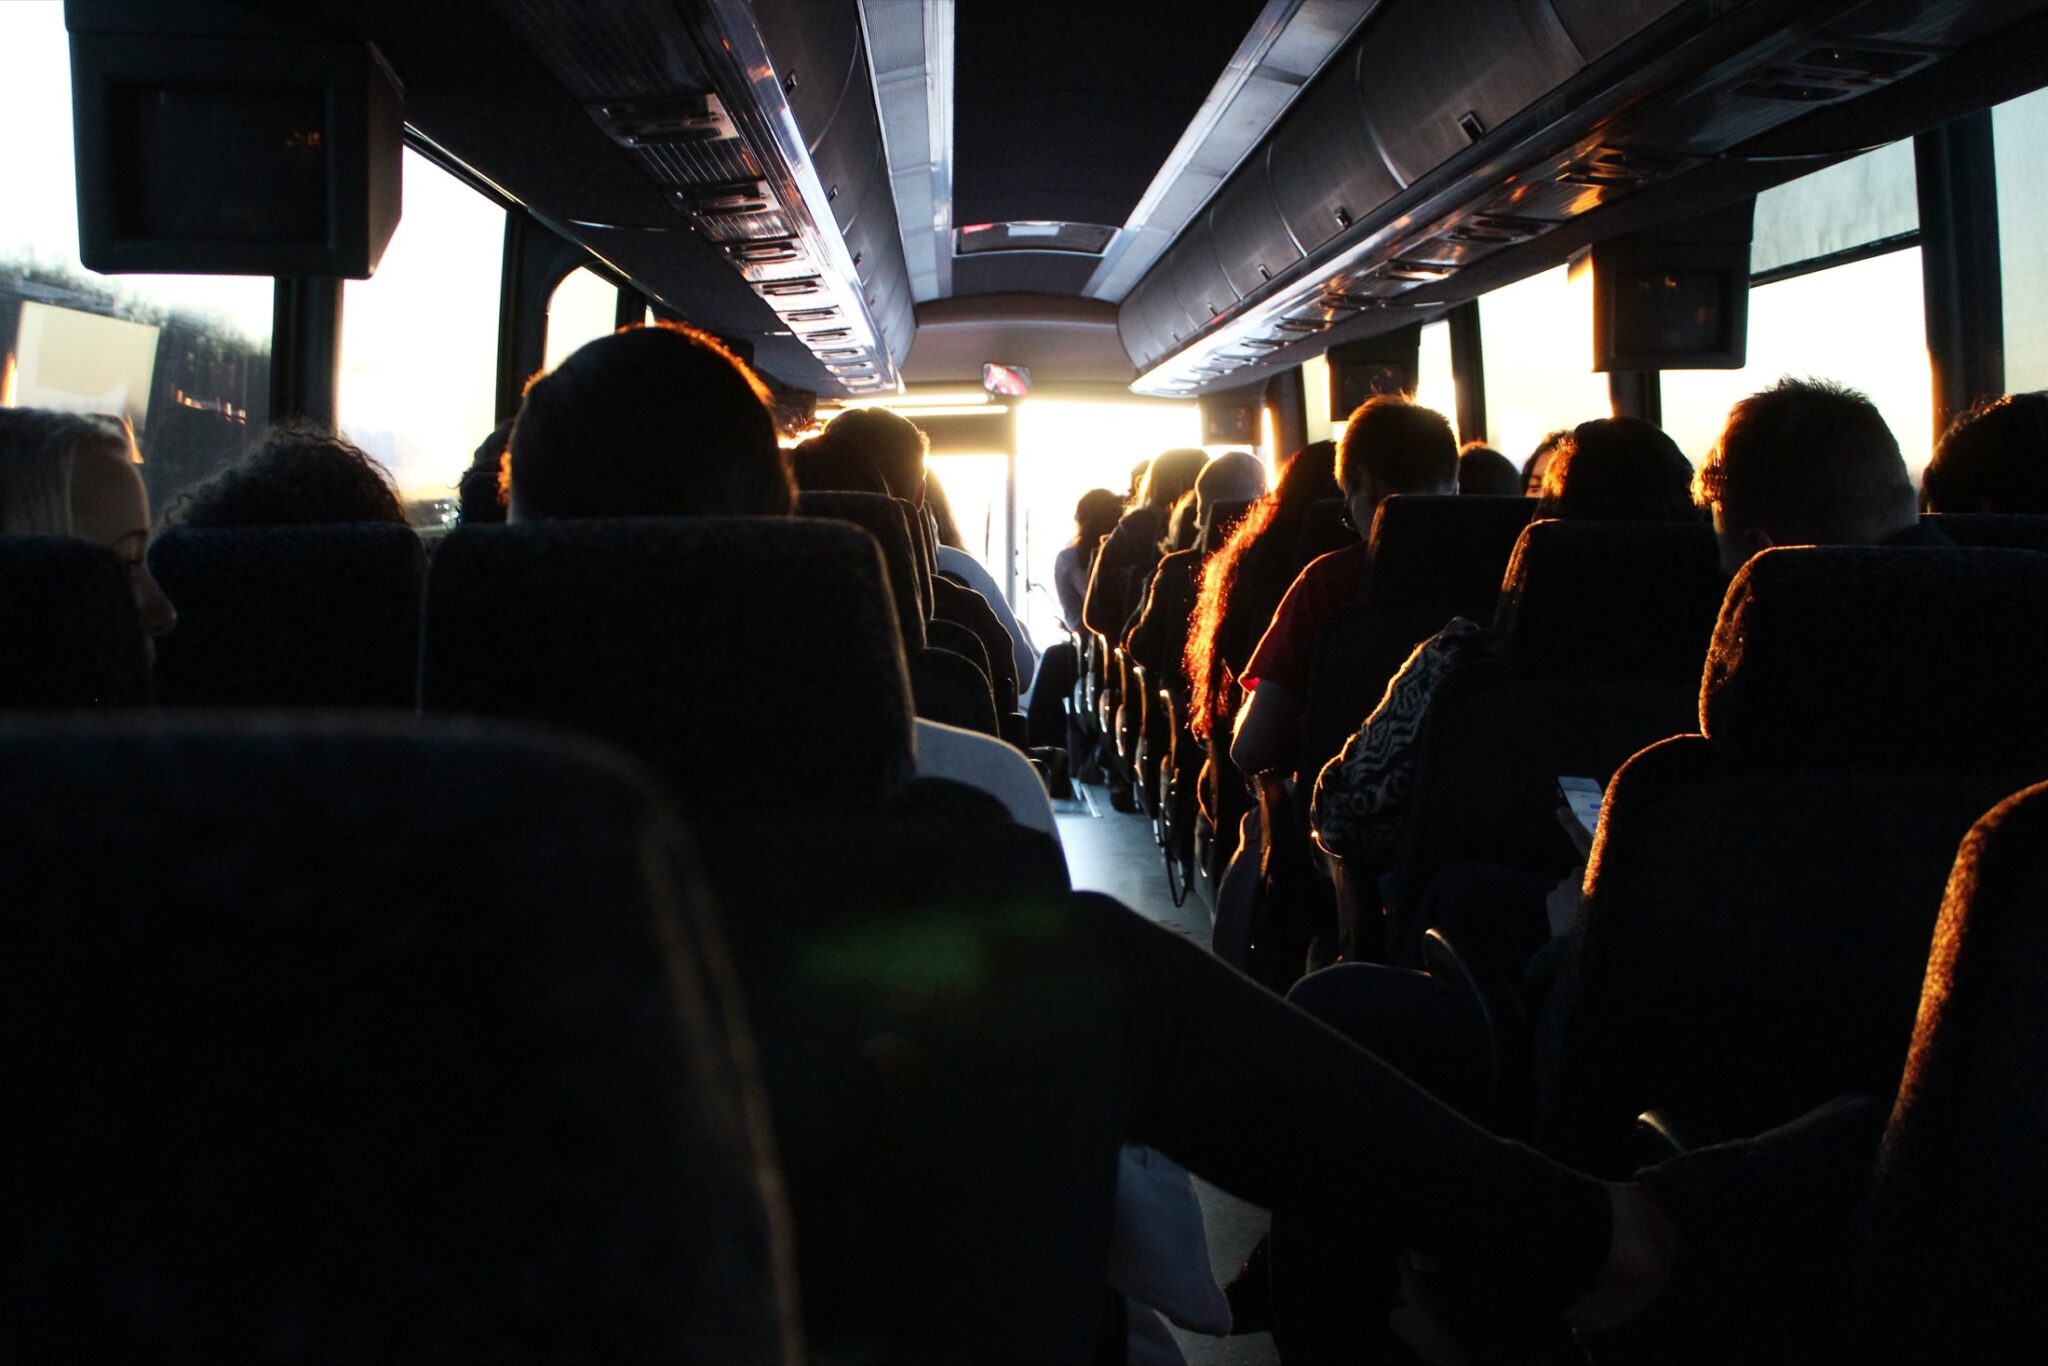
[229,156]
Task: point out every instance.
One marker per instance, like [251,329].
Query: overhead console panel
[1453,130]
[759,121]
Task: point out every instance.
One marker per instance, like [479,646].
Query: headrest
[2010,530]
[753,661]
[1224,515]
[1615,601]
[1887,657]
[354,1034]
[880,516]
[320,615]
[1442,552]
[68,631]
[1325,529]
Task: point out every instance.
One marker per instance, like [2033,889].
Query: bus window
[1537,339]
[583,308]
[2017,130]
[184,358]
[419,340]
[1435,387]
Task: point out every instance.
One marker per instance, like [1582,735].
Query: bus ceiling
[869,192]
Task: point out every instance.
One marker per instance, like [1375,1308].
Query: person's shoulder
[1337,567]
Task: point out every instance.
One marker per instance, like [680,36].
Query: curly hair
[297,473]
[1244,581]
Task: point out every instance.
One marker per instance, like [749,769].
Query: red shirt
[1330,582]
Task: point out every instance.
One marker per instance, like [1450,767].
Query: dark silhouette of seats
[1326,528]
[291,616]
[2010,530]
[1600,636]
[334,1041]
[1760,897]
[1954,1255]
[69,636]
[878,515]
[1433,558]
[754,662]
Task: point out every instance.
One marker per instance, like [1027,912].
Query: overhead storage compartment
[1251,239]
[1327,172]
[815,47]
[1597,27]
[1198,279]
[1437,77]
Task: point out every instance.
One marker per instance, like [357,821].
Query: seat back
[1959,1197]
[291,615]
[1326,528]
[1991,530]
[754,662]
[68,630]
[338,1042]
[1602,631]
[1760,898]
[1433,558]
[878,514]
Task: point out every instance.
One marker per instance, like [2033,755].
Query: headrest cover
[1883,658]
[753,661]
[1616,601]
[303,615]
[68,631]
[878,515]
[1442,552]
[343,1038]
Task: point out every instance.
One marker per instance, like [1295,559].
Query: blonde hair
[37,450]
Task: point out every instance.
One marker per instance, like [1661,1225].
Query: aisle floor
[1113,853]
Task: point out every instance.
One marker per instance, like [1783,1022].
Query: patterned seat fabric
[754,662]
[291,616]
[342,1041]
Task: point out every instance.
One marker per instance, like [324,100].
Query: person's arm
[1103,609]
[1265,735]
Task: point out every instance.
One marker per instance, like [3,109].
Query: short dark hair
[891,442]
[1994,458]
[296,474]
[1484,470]
[1405,447]
[1095,516]
[821,463]
[653,421]
[1618,469]
[1809,462]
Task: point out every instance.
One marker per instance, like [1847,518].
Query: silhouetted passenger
[1539,460]
[62,474]
[480,494]
[1133,548]
[1390,447]
[1994,458]
[296,475]
[1095,516]
[1158,637]
[1484,471]
[1613,469]
[1808,462]
[820,464]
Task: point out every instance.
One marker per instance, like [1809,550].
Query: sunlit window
[1862,324]
[185,358]
[584,307]
[1435,385]
[1063,450]
[419,340]
[1537,340]
[978,490]
[2019,129]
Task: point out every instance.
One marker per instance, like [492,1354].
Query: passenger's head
[1618,469]
[656,421]
[821,464]
[1804,462]
[1183,524]
[1095,516]
[1994,458]
[1233,477]
[1539,461]
[892,443]
[297,474]
[1170,474]
[62,474]
[1309,477]
[1485,472]
[1391,446]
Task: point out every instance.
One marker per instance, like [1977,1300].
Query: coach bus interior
[1061,237]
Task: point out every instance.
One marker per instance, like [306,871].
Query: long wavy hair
[1244,581]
